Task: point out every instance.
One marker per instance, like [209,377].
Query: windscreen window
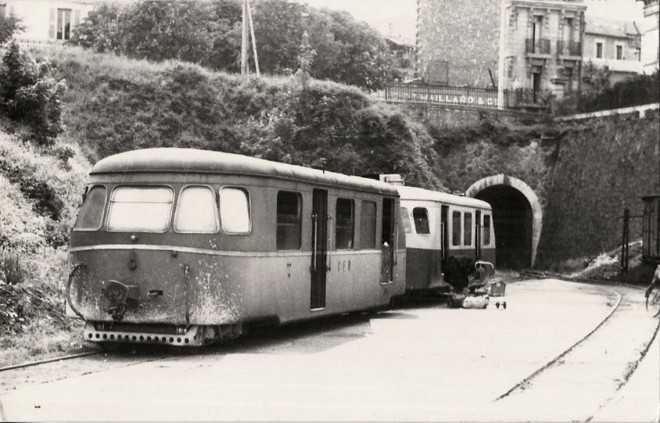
[90,217]
[344,227]
[421,219]
[196,211]
[235,211]
[288,220]
[140,209]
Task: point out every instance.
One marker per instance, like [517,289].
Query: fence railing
[539,46]
[464,97]
[569,48]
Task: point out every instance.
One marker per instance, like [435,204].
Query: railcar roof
[420,194]
[183,160]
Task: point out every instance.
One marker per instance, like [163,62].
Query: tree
[9,26]
[100,31]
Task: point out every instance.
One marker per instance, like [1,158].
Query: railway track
[545,390]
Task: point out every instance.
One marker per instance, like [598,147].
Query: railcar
[441,226]
[187,247]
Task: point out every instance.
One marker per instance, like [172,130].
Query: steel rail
[49,360]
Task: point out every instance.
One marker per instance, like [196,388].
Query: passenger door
[319,248]
[388,241]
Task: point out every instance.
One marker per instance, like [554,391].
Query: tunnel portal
[512,216]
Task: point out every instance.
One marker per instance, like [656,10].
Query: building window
[638,54]
[344,226]
[63,24]
[288,220]
[619,52]
[599,50]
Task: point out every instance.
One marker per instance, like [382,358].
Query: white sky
[399,16]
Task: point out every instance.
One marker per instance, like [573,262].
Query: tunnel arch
[512,188]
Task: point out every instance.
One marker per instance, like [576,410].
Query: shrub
[30,95]
[10,269]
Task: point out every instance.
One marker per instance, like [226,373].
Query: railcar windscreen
[91,213]
[140,209]
[234,211]
[196,211]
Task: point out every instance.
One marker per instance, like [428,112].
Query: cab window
[140,209]
[235,211]
[90,217]
[196,211]
[421,219]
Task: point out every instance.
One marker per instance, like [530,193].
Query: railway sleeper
[191,336]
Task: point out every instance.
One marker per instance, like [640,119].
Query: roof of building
[610,27]
[193,161]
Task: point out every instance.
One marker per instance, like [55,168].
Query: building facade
[615,45]
[458,42]
[650,36]
[47,21]
[542,47]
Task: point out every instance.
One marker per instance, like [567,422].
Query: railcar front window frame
[92,208]
[164,215]
[189,218]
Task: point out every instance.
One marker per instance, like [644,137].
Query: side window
[368,225]
[90,217]
[405,219]
[456,228]
[196,211]
[467,229]
[486,230]
[140,209]
[421,219]
[288,220]
[235,211]
[344,226]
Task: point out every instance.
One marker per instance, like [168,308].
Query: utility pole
[247,21]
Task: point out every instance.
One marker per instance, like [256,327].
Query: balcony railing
[540,46]
[569,48]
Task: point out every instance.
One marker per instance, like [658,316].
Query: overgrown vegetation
[598,94]
[30,96]
[116,104]
[208,33]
